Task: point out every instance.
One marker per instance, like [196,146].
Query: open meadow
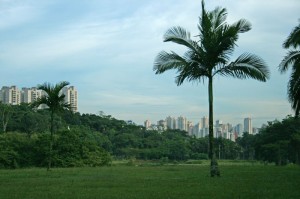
[149,181]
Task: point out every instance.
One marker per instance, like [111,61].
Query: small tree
[55,102]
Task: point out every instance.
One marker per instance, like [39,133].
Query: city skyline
[200,129]
[107,49]
[15,96]
[169,121]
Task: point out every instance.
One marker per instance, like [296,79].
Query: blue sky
[106,49]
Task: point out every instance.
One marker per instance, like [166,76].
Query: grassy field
[153,182]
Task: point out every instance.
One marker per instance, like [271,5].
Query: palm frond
[294,90]
[242,26]
[177,33]
[182,37]
[290,59]
[165,61]
[40,101]
[205,25]
[218,16]
[46,87]
[246,66]
[193,71]
[293,39]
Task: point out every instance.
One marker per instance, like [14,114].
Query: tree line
[277,142]
[94,140]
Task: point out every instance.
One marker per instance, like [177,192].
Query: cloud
[14,13]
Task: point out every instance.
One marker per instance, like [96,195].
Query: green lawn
[153,182]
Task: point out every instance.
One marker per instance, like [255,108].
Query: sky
[106,49]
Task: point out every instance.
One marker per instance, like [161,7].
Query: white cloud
[11,16]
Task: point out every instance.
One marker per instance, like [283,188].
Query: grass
[153,182]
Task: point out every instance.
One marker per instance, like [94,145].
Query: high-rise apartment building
[29,95]
[196,130]
[239,130]
[10,95]
[162,125]
[204,122]
[219,123]
[190,127]
[71,97]
[147,124]
[248,125]
[171,123]
[182,123]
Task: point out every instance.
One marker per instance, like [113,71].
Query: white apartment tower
[147,124]
[204,122]
[248,125]
[171,122]
[71,97]
[239,130]
[10,95]
[182,123]
[29,95]
[190,127]
[196,130]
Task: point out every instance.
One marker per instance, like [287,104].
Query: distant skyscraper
[29,95]
[248,125]
[219,123]
[71,97]
[147,124]
[190,127]
[10,95]
[197,130]
[182,123]
[162,124]
[239,130]
[204,122]
[169,122]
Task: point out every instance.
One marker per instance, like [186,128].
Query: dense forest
[95,140]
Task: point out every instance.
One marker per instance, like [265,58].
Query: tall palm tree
[292,59]
[55,102]
[208,57]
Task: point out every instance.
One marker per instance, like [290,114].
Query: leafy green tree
[292,60]
[279,142]
[55,102]
[209,56]
[295,143]
[247,143]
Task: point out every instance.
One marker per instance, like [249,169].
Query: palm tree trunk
[214,169]
[51,141]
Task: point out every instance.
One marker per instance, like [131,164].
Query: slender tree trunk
[5,122]
[214,169]
[5,116]
[51,141]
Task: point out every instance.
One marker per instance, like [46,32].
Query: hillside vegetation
[94,140]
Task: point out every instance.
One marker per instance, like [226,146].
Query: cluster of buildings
[199,130]
[15,96]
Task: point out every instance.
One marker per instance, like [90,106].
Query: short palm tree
[292,59]
[55,102]
[208,57]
